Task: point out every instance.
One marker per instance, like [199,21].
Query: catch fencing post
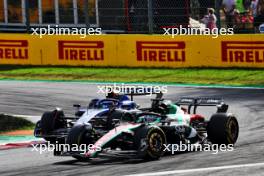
[27,15]
[218,4]
[86,13]
[150,16]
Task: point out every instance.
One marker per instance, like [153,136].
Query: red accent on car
[196,117]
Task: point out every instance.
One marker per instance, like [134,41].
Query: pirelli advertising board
[15,49]
[134,50]
[247,52]
[69,50]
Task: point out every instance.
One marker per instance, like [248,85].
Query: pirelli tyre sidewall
[76,136]
[223,129]
[150,142]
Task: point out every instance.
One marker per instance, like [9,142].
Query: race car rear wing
[145,91]
[203,101]
[136,91]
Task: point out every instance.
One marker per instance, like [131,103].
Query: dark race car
[55,126]
[146,133]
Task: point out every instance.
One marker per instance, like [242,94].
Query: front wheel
[79,135]
[150,143]
[51,121]
[223,129]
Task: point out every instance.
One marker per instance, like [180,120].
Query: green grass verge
[10,123]
[232,76]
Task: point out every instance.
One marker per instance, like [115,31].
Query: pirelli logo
[243,52]
[151,51]
[13,49]
[81,50]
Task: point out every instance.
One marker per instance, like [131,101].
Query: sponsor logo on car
[81,50]
[13,49]
[243,52]
[156,51]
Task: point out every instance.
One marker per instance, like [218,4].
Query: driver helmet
[105,104]
[113,95]
[93,103]
[128,105]
[166,103]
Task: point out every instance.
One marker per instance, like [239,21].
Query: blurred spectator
[210,19]
[243,20]
[205,20]
[259,18]
[260,7]
[247,4]
[228,7]
[240,6]
[237,21]
[253,7]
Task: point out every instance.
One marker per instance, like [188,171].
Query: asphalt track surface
[32,98]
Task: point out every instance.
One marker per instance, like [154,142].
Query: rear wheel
[150,143]
[223,129]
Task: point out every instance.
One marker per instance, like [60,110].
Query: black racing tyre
[51,121]
[75,134]
[47,122]
[223,129]
[149,142]
[47,125]
[78,135]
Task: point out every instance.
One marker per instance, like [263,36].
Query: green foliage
[9,123]
[209,76]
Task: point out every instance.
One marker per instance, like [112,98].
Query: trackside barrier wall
[133,50]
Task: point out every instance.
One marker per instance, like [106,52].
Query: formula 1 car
[145,132]
[55,126]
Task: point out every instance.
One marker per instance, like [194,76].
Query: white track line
[173,172]
[23,116]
